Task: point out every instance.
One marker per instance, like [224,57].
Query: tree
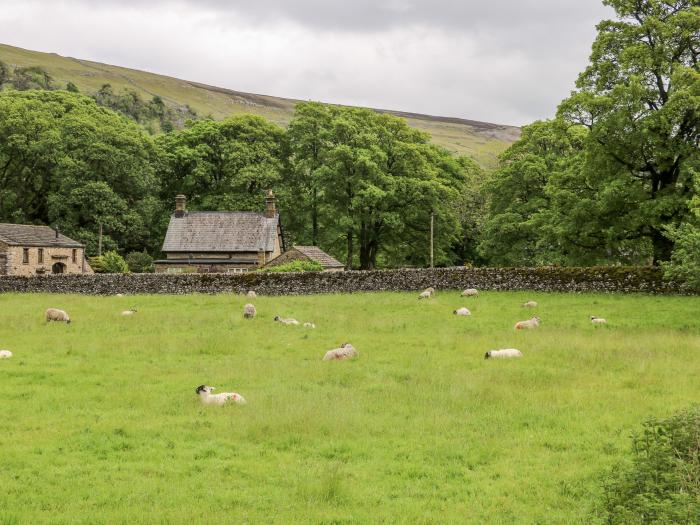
[4,73]
[140,262]
[26,78]
[72,88]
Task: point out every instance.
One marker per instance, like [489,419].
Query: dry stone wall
[548,279]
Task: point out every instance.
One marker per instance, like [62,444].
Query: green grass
[484,142]
[99,422]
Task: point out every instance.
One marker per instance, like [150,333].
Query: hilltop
[481,140]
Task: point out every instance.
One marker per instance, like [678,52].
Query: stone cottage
[309,253]
[39,250]
[220,242]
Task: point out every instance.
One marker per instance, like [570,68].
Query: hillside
[481,140]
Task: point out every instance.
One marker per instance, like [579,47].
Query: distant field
[100,422]
[481,140]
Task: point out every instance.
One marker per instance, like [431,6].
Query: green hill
[481,140]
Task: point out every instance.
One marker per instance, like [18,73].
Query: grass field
[99,421]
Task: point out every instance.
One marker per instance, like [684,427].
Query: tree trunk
[663,247]
[350,247]
[364,247]
[314,218]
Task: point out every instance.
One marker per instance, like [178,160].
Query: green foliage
[72,88]
[109,262]
[26,78]
[661,484]
[295,266]
[139,262]
[684,265]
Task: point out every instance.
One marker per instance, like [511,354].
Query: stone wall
[603,279]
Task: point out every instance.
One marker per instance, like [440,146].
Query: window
[236,270]
[40,253]
[174,270]
[25,256]
[75,255]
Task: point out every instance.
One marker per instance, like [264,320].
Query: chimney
[270,210]
[180,206]
[57,232]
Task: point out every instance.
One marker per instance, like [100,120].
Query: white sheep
[119,295]
[54,314]
[530,304]
[205,394]
[5,354]
[287,321]
[598,320]
[251,295]
[346,351]
[470,292]
[309,325]
[503,354]
[127,313]
[249,311]
[464,312]
[529,324]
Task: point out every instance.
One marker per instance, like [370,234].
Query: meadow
[99,421]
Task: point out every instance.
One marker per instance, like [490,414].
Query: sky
[501,61]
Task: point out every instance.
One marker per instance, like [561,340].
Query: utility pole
[432,239]
[99,242]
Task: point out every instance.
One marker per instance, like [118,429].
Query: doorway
[58,268]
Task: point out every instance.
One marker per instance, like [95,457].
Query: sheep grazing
[346,351]
[205,394]
[470,292]
[529,324]
[427,293]
[598,320]
[530,304]
[54,314]
[464,312]
[127,313]
[503,354]
[249,311]
[309,325]
[287,321]
[5,354]
[251,295]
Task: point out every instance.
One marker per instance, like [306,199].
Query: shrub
[140,262]
[110,262]
[295,266]
[661,484]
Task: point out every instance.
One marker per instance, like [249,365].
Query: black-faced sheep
[205,394]
[5,354]
[464,312]
[598,320]
[286,321]
[503,354]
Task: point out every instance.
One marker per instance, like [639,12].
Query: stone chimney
[270,209]
[180,206]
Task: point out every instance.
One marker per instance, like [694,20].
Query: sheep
[287,321]
[598,320]
[5,354]
[346,351]
[309,325]
[126,313]
[530,304]
[470,292]
[503,354]
[529,324]
[54,314]
[251,295]
[464,312]
[119,295]
[205,394]
[249,311]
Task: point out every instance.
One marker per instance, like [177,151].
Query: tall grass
[99,421]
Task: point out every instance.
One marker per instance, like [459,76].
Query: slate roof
[28,235]
[317,254]
[215,231]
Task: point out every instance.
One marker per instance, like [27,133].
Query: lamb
[529,324]
[346,351]
[249,311]
[503,354]
[530,304]
[126,313]
[5,354]
[251,295]
[464,312]
[54,314]
[470,292]
[598,320]
[205,394]
[309,325]
[286,321]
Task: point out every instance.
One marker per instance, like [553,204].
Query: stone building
[39,250]
[309,253]
[220,242]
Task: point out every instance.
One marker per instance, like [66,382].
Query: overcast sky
[503,61]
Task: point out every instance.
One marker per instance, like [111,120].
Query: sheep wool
[127,313]
[205,394]
[470,292]
[287,321]
[529,324]
[425,294]
[598,320]
[309,325]
[530,304]
[54,314]
[5,354]
[346,351]
[249,311]
[251,295]
[464,312]
[503,354]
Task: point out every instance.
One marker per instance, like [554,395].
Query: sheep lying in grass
[287,321]
[464,312]
[309,325]
[249,311]
[54,314]
[470,292]
[119,295]
[5,354]
[598,320]
[503,354]
[205,394]
[427,293]
[251,295]
[346,351]
[530,304]
[529,324]
[126,313]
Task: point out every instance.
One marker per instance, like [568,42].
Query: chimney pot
[180,205]
[270,208]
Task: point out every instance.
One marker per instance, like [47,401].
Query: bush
[110,262]
[661,485]
[295,266]
[140,262]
